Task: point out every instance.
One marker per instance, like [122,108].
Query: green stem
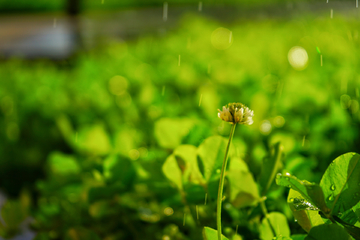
[221,183]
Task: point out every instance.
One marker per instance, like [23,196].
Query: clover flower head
[236,113]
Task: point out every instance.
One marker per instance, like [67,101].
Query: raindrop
[353,154]
[197,212]
[331,198]
[288,174]
[289,186]
[291,200]
[217,170]
[200,6]
[165,11]
[332,187]
[296,220]
[321,60]
[287,178]
[200,100]
[278,175]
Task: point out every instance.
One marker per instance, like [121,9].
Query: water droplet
[279,176]
[353,154]
[287,174]
[331,198]
[217,170]
[289,186]
[287,178]
[291,200]
[296,220]
[332,187]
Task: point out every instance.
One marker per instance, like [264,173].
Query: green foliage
[211,234]
[122,139]
[307,199]
[279,224]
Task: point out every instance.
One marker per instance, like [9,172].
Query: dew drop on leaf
[217,170]
[332,187]
[331,198]
[279,176]
[291,200]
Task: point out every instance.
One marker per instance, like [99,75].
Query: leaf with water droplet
[306,217]
[271,165]
[312,193]
[345,172]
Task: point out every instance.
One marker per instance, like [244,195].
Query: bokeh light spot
[345,101]
[221,38]
[168,211]
[265,127]
[118,85]
[298,58]
[134,154]
[279,121]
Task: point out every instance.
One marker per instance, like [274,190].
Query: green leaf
[311,192]
[211,153]
[341,183]
[13,213]
[328,232]
[352,230]
[243,188]
[298,236]
[211,234]
[188,154]
[62,164]
[117,168]
[182,167]
[94,140]
[172,171]
[282,238]
[169,132]
[306,218]
[278,222]
[271,165]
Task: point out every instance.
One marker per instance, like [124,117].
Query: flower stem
[221,183]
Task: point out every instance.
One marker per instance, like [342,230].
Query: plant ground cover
[126,138]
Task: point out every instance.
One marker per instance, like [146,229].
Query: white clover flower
[236,113]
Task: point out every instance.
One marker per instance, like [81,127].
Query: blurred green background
[83,139]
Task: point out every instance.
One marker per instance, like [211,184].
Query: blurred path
[53,36]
